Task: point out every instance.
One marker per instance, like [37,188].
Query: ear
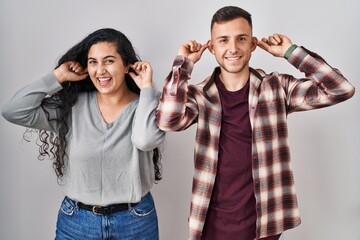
[211,47]
[127,69]
[254,41]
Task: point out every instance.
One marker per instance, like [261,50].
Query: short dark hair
[229,13]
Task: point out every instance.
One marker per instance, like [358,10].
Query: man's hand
[192,50]
[277,44]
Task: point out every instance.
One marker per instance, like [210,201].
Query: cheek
[218,54]
[117,72]
[215,50]
[91,69]
[250,47]
[92,74]
[220,50]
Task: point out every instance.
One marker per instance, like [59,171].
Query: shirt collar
[217,71]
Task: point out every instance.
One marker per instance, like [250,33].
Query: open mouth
[103,81]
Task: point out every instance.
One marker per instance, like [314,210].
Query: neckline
[121,114]
[221,85]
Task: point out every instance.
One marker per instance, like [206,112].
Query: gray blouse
[107,163]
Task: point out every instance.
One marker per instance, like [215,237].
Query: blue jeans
[139,222]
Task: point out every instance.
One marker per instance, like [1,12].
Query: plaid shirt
[272,97]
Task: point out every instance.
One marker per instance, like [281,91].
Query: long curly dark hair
[54,145]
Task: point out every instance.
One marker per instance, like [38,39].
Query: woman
[95,115]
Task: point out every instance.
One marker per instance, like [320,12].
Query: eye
[109,61]
[242,39]
[91,62]
[223,40]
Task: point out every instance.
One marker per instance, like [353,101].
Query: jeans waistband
[100,210]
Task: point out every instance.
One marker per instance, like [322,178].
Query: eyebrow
[240,35]
[106,57]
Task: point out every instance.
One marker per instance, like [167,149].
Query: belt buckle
[94,210]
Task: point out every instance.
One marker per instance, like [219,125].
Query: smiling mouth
[103,81]
[232,58]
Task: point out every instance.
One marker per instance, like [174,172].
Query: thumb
[203,48]
[132,75]
[263,45]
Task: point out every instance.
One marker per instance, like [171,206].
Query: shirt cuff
[184,63]
[51,83]
[290,50]
[149,94]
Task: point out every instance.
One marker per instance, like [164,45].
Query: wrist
[146,85]
[58,76]
[290,50]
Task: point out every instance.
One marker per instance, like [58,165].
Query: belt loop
[129,206]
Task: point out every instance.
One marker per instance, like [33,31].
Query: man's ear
[211,47]
[254,41]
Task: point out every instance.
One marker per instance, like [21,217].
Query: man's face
[232,44]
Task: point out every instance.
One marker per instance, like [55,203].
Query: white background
[325,143]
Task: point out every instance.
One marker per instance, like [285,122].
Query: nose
[100,69]
[233,46]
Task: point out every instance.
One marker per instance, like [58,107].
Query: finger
[132,75]
[83,71]
[275,39]
[271,40]
[203,47]
[144,66]
[264,40]
[70,65]
[263,44]
[188,45]
[278,37]
[136,66]
[82,76]
[194,46]
[141,66]
[77,68]
[197,47]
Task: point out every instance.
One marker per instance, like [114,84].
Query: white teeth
[233,58]
[103,79]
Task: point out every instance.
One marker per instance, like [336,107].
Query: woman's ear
[127,69]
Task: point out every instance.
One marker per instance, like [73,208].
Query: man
[243,182]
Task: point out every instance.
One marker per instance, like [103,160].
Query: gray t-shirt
[107,163]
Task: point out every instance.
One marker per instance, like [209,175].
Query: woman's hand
[70,71]
[143,74]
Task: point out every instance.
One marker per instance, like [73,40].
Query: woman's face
[106,68]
